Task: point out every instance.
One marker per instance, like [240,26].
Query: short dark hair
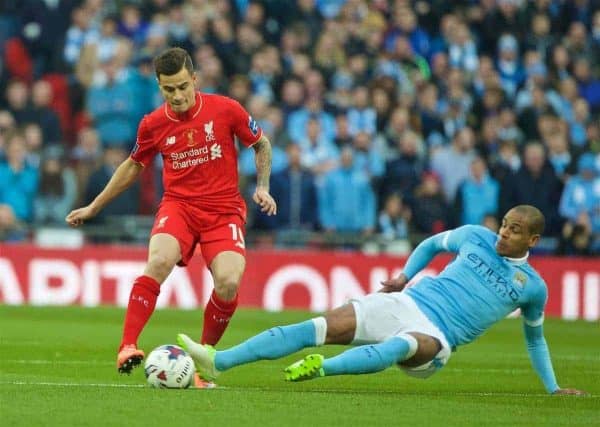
[535,218]
[171,61]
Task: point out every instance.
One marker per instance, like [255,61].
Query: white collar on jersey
[518,261]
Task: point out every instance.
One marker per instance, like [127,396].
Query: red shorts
[191,225]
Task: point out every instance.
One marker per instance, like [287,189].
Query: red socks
[142,301]
[216,318]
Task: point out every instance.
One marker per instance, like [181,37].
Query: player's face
[179,90]
[514,237]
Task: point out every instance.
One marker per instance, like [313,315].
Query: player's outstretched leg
[365,359]
[270,344]
[203,355]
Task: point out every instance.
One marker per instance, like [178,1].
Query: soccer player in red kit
[194,133]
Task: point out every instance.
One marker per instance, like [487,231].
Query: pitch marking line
[107,363]
[320,391]
[58,362]
[99,385]
[108,385]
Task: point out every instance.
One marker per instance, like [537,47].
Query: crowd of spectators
[388,118]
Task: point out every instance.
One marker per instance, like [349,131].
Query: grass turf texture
[57,368]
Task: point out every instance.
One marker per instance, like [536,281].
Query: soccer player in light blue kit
[418,328]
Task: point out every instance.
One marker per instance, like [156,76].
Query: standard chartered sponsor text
[188,158]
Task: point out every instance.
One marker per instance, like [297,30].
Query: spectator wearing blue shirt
[441,41]
[478,194]
[81,32]
[132,25]
[57,191]
[462,51]
[405,24]
[18,180]
[394,219]
[270,121]
[11,230]
[295,191]
[366,157]
[588,85]
[346,199]
[559,155]
[142,81]
[581,196]
[512,74]
[362,117]
[319,154]
[452,163]
[581,117]
[330,9]
[313,109]
[112,105]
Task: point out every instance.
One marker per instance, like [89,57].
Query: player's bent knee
[227,280]
[227,270]
[341,325]
[159,266]
[226,285]
[427,347]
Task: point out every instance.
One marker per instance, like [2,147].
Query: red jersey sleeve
[145,149]
[244,126]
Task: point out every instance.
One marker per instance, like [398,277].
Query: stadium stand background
[390,120]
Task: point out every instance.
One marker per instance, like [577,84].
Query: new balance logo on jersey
[209,131]
[215,151]
[170,140]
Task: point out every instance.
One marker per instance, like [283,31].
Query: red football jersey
[197,147]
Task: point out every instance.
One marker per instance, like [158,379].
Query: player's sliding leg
[163,254]
[227,269]
[365,359]
[271,344]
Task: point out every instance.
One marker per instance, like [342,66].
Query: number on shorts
[237,235]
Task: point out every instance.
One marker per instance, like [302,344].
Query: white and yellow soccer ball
[169,366]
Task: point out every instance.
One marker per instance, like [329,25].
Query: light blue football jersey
[478,288]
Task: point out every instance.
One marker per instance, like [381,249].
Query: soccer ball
[169,366]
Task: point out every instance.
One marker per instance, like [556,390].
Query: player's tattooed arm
[261,195]
[263,156]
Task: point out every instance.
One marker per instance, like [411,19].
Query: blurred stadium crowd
[390,119]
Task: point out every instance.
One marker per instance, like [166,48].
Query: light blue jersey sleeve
[533,319]
[447,241]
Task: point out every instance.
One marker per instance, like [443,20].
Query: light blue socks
[370,358]
[270,344]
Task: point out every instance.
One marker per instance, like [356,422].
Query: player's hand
[78,216]
[394,285]
[570,391]
[265,201]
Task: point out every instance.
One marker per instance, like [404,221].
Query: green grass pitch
[57,369]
